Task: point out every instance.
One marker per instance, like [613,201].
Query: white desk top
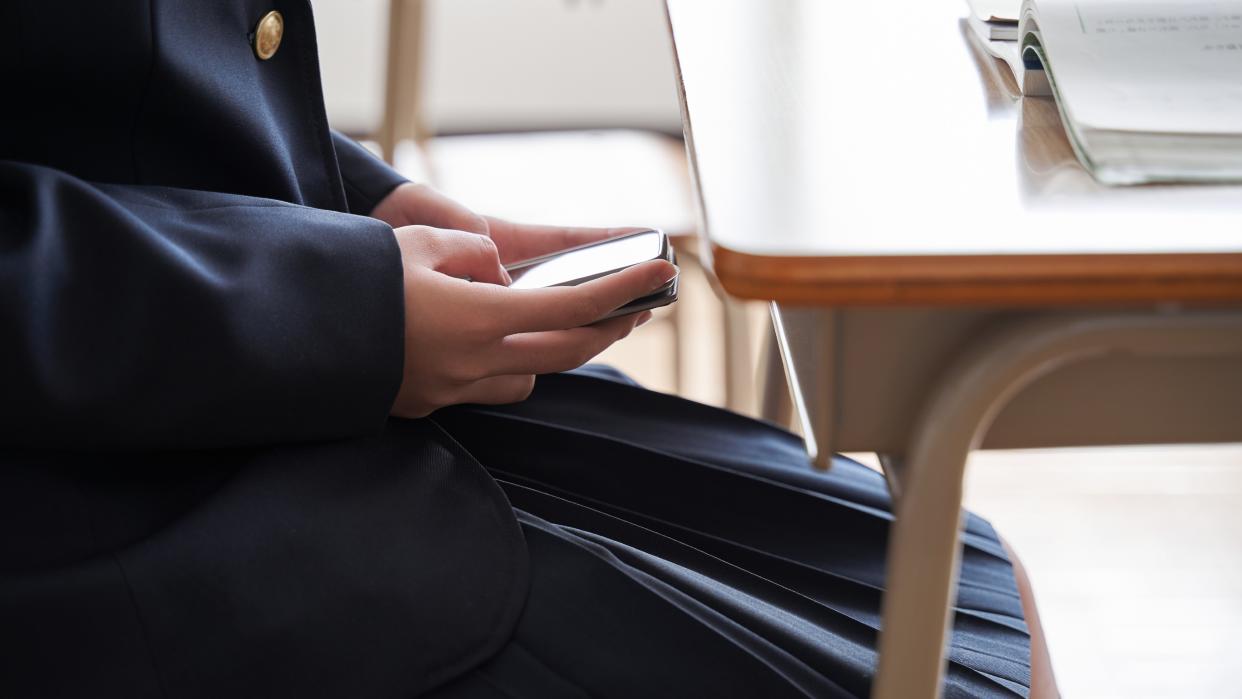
[846,154]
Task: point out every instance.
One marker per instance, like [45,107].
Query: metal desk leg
[923,546]
[807,339]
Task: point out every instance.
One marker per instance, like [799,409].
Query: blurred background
[566,111]
[498,66]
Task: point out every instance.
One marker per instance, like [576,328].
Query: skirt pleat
[682,550]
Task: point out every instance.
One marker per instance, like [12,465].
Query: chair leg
[684,245]
[403,83]
[739,366]
[674,317]
[776,404]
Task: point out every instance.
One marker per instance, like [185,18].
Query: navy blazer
[201,334]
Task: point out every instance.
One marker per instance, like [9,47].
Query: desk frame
[998,355]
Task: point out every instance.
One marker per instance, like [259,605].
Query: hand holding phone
[485,342]
[584,263]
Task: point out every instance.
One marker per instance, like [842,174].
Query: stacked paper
[994,24]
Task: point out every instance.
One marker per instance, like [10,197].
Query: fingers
[472,257]
[564,307]
[456,253]
[561,350]
[521,241]
[520,357]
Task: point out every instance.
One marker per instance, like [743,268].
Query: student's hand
[522,241]
[419,205]
[482,342]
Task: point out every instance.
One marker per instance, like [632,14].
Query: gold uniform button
[267,35]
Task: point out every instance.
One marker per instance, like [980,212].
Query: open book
[1148,90]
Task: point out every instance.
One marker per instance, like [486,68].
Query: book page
[1164,66]
[995,10]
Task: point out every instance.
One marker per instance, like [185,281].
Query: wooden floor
[1135,553]
[1136,559]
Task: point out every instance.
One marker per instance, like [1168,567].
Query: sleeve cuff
[367,179]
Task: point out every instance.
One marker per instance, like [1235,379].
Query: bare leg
[1043,682]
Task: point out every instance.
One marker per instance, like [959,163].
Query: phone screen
[595,260]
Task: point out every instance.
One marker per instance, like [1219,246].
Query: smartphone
[594,260]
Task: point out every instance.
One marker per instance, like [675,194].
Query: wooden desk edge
[1043,280]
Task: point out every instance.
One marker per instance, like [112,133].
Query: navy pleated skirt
[680,550]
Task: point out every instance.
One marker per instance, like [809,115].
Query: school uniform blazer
[201,493]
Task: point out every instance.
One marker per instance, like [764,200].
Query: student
[251,440]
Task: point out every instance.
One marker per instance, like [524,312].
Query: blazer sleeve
[367,179]
[155,317]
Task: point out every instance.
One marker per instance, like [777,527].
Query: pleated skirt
[679,550]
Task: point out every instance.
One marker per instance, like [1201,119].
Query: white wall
[353,45]
[499,65]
